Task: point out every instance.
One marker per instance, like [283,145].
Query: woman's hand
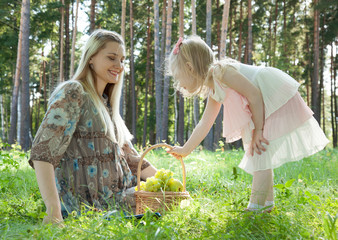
[53,217]
[257,140]
[179,152]
[46,180]
[148,172]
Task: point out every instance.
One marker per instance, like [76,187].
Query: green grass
[305,194]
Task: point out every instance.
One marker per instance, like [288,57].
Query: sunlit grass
[305,191]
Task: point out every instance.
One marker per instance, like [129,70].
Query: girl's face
[187,81]
[108,64]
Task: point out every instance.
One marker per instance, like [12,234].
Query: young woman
[82,152]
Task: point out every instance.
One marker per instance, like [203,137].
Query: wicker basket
[157,201]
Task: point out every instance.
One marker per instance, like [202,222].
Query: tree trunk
[158,78]
[61,64]
[67,41]
[18,130]
[165,115]
[321,92]
[92,16]
[193,20]
[249,32]
[163,38]
[74,40]
[270,39]
[208,141]
[36,103]
[152,116]
[44,86]
[132,74]
[246,51]
[208,22]
[275,35]
[196,98]
[2,115]
[240,32]
[314,83]
[124,87]
[176,117]
[38,99]
[218,32]
[123,19]
[224,32]
[145,122]
[52,81]
[225,18]
[14,106]
[284,31]
[25,112]
[163,52]
[34,100]
[333,99]
[180,133]
[335,103]
[308,80]
[232,16]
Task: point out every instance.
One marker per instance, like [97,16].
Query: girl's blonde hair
[114,125]
[195,51]
[204,65]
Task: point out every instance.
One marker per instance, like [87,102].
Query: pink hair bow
[177,46]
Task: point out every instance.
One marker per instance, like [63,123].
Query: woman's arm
[235,80]
[133,159]
[200,131]
[46,180]
[53,139]
[148,172]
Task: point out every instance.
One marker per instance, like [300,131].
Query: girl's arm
[235,80]
[200,131]
[46,180]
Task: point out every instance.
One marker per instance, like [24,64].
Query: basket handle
[141,160]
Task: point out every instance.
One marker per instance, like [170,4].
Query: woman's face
[108,64]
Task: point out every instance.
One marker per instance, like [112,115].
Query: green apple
[175,185]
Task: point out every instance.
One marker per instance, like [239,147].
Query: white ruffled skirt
[289,126]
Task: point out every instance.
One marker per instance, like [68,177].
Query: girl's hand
[178,152]
[257,140]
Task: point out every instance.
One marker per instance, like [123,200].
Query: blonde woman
[82,152]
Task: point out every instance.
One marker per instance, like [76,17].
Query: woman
[82,153]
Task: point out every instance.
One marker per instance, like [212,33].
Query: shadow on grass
[251,225]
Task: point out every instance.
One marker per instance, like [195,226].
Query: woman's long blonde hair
[114,125]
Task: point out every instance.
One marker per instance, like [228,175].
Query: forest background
[40,46]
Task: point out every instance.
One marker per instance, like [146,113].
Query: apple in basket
[163,180]
[175,185]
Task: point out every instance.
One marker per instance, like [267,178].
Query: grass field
[306,198]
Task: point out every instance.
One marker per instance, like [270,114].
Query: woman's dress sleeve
[57,127]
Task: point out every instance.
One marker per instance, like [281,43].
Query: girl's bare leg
[269,203]
[262,189]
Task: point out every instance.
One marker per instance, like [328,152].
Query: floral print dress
[90,169]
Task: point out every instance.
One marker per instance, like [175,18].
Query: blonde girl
[261,105]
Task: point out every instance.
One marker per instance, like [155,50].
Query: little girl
[261,105]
